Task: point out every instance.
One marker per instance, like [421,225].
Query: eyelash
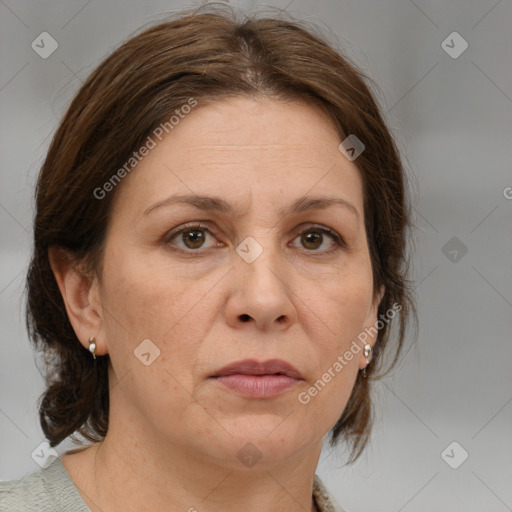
[199,226]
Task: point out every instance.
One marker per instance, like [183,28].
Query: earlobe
[78,294]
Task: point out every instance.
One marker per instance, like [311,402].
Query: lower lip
[258,386]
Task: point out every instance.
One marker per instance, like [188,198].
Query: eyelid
[339,241]
[204,225]
[324,229]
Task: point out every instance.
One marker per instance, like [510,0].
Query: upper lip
[253,367]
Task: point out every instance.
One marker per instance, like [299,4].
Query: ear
[378,298]
[370,328]
[80,296]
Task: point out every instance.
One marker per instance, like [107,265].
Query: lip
[253,367]
[255,379]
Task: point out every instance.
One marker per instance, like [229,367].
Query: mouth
[254,379]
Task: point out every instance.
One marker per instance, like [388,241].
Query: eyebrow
[217,204]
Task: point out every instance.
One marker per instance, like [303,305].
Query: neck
[120,473]
[182,482]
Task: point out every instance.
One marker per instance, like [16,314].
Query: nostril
[245,318]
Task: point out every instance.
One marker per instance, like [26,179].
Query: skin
[174,433]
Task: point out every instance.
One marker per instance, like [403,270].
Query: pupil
[311,238]
[196,239]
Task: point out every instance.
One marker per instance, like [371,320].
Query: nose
[262,294]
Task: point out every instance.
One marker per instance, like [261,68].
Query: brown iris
[196,240]
[311,237]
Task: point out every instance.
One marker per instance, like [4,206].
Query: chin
[270,439]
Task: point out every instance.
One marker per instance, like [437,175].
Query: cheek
[325,398]
[343,308]
[344,305]
[152,342]
[142,303]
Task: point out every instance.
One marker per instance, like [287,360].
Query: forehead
[264,151]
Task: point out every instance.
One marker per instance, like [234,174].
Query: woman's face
[259,280]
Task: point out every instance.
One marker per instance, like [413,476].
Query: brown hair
[207,56]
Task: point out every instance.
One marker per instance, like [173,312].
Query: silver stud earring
[92,346]
[368,355]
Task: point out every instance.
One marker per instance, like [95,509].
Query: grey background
[452,119]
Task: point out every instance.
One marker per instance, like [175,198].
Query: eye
[192,237]
[313,238]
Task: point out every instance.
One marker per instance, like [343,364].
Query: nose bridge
[263,291]
[261,260]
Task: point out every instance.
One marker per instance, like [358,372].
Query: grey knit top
[52,490]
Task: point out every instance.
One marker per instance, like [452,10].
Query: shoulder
[45,490]
[24,494]
[324,501]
